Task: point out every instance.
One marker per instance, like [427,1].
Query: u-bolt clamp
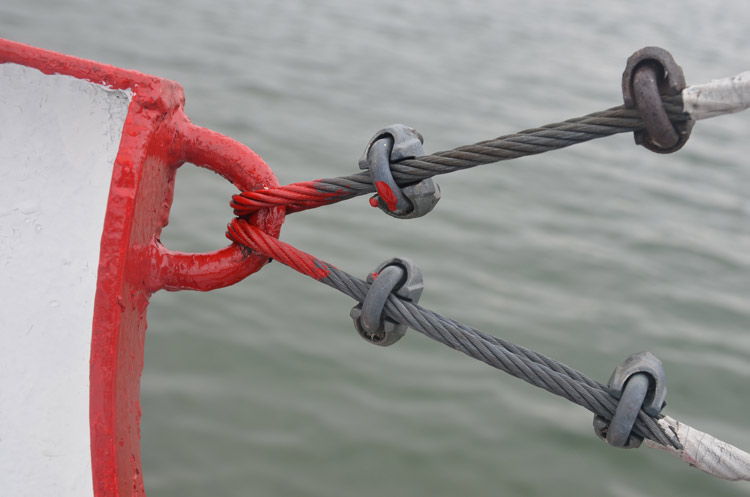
[399,276]
[638,383]
[390,145]
[651,73]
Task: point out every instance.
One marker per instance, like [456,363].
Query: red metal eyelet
[247,171]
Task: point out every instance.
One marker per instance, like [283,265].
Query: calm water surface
[587,254]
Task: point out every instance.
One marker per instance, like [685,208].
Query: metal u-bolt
[649,104]
[627,410]
[650,74]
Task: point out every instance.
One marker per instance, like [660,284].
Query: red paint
[256,239]
[374,201]
[294,197]
[246,170]
[374,276]
[157,138]
[386,194]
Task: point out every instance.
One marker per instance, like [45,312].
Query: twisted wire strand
[694,447]
[309,194]
[530,366]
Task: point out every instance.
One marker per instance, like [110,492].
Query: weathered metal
[399,276]
[651,73]
[393,144]
[639,384]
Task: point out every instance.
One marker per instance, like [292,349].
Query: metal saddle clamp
[389,145]
[638,383]
[399,276]
[651,73]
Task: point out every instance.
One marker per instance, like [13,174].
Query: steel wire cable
[530,366]
[692,446]
[309,194]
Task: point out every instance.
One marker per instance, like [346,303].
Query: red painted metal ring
[247,171]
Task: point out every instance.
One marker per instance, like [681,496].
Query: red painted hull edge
[157,138]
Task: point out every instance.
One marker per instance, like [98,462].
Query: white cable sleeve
[705,452]
[717,97]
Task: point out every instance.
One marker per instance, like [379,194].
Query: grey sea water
[586,254]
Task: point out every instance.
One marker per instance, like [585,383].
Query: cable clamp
[651,73]
[398,276]
[391,145]
[638,383]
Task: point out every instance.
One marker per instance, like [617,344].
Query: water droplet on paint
[54,303]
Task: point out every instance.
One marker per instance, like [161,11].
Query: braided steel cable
[309,194]
[692,446]
[712,99]
[530,366]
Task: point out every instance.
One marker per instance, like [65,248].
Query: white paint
[59,137]
[717,97]
[705,452]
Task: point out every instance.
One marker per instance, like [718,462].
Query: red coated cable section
[244,233]
[296,197]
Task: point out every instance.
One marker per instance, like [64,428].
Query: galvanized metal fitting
[389,145]
[651,73]
[638,383]
[601,428]
[399,276]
